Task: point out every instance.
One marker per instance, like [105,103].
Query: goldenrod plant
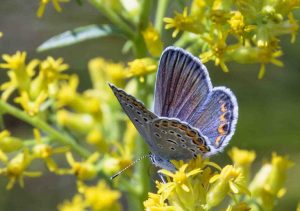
[78,124]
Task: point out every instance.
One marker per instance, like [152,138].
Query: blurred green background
[269,109]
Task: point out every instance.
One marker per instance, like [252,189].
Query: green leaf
[78,35]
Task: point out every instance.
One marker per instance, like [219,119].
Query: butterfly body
[190,116]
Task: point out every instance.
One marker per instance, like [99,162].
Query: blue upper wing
[182,84]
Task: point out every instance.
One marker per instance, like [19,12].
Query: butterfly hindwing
[136,111]
[182,84]
[176,140]
[217,117]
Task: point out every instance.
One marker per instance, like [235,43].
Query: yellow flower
[52,69]
[230,180]
[3,157]
[43,3]
[77,204]
[268,183]
[140,67]
[218,50]
[95,138]
[237,24]
[180,178]
[152,40]
[15,169]
[101,197]
[18,72]
[45,151]
[79,122]
[32,107]
[182,22]
[242,159]
[102,71]
[9,143]
[1,34]
[85,170]
[156,202]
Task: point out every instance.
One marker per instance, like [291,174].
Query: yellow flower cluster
[240,31]
[47,94]
[99,197]
[198,186]
[35,82]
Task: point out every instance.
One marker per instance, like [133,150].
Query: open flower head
[16,169]
[230,180]
[183,22]
[85,170]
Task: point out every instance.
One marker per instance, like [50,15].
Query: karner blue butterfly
[190,116]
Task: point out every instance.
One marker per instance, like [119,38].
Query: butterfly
[190,116]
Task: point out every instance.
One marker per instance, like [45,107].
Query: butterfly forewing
[136,111]
[182,84]
[176,140]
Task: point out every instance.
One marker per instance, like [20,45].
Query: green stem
[2,126]
[113,17]
[160,13]
[146,6]
[41,124]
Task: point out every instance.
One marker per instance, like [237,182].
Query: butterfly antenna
[133,163]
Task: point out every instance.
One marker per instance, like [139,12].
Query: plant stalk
[42,125]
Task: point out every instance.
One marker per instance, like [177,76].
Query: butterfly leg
[162,177]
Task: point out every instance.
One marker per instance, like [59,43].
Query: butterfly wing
[136,111]
[217,117]
[176,140]
[182,84]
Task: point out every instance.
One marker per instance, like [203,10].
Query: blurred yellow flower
[230,180]
[156,202]
[77,204]
[101,197]
[152,40]
[85,170]
[56,4]
[141,67]
[32,107]
[268,183]
[45,151]
[242,159]
[16,168]
[9,143]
